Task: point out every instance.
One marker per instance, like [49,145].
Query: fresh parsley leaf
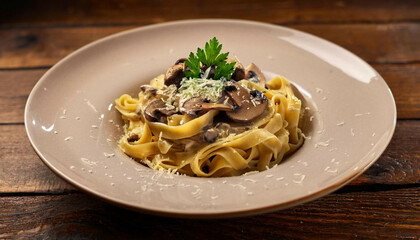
[210,56]
[202,56]
[194,65]
[224,70]
[212,50]
[221,58]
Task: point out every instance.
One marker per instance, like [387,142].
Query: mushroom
[148,89]
[175,74]
[239,73]
[253,73]
[181,60]
[248,106]
[210,135]
[133,138]
[236,93]
[224,129]
[157,111]
[197,106]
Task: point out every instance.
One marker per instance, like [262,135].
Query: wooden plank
[15,87]
[18,13]
[399,164]
[403,79]
[44,47]
[358,215]
[22,170]
[377,43]
[404,82]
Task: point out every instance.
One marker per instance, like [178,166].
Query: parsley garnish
[193,63]
[210,56]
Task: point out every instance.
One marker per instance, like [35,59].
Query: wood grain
[33,47]
[366,215]
[22,170]
[375,43]
[404,82]
[15,87]
[400,161]
[100,12]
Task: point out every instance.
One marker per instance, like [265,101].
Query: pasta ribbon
[175,145]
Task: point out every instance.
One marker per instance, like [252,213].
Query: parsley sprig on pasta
[210,56]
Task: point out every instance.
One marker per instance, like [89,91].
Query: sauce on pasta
[209,116]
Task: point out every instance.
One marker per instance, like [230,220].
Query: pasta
[210,138]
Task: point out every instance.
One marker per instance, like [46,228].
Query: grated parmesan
[198,87]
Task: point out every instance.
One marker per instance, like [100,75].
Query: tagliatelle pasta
[215,123]
[161,145]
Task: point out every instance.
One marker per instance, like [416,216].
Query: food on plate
[209,116]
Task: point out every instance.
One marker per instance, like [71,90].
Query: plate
[73,126]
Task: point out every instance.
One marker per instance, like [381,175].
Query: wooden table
[383,203]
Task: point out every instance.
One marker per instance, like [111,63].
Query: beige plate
[73,126]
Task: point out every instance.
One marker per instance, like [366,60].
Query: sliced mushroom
[237,93]
[148,89]
[157,111]
[181,60]
[224,129]
[133,138]
[175,74]
[192,106]
[250,107]
[197,106]
[216,106]
[239,72]
[253,73]
[210,135]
